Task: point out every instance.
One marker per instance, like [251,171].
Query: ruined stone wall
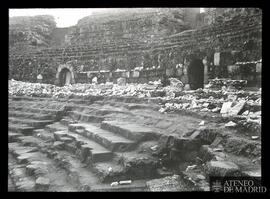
[128,24]
[30,32]
[101,42]
[238,40]
[102,50]
[242,34]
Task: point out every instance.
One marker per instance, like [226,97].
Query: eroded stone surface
[42,183]
[166,184]
[69,157]
[222,168]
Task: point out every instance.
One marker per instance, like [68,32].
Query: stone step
[127,166]
[88,180]
[20,114]
[19,178]
[97,186]
[129,106]
[43,135]
[21,104]
[26,157]
[109,171]
[253,173]
[98,109]
[128,99]
[142,106]
[30,122]
[29,99]
[77,172]
[241,164]
[135,186]
[50,104]
[78,102]
[11,186]
[172,183]
[43,170]
[24,154]
[222,168]
[15,149]
[85,117]
[13,137]
[23,183]
[242,146]
[21,128]
[88,149]
[35,110]
[67,120]
[108,110]
[57,126]
[130,130]
[231,140]
[31,141]
[112,141]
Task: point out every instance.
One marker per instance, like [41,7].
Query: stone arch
[65,74]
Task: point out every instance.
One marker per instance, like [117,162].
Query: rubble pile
[240,103]
[227,83]
[243,107]
[210,100]
[19,88]
[169,183]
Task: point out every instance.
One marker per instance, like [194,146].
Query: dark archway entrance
[196,74]
[65,77]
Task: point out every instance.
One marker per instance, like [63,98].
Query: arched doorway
[196,73]
[65,77]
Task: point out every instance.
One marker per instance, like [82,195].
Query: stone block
[58,145]
[169,183]
[163,124]
[176,83]
[121,81]
[221,168]
[206,153]
[235,110]
[136,74]
[42,184]
[226,107]
[127,74]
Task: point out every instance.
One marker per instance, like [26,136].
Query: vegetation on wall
[239,36]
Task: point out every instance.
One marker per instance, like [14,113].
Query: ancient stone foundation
[117,42]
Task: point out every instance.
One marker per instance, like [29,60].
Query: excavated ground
[86,145]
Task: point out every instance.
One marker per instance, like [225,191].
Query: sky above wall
[63,17]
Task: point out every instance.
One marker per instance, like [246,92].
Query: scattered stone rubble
[229,103]
[219,83]
[240,108]
[169,183]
